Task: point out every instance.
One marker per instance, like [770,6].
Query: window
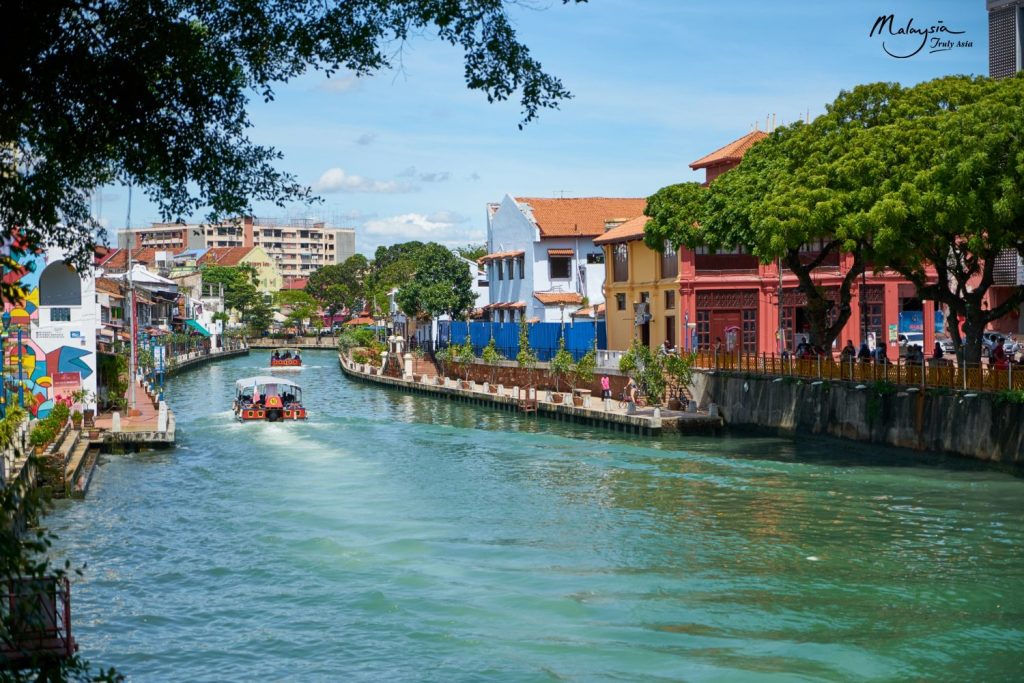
[510,264]
[620,302]
[669,262]
[670,330]
[703,329]
[621,273]
[670,300]
[561,267]
[498,267]
[60,315]
[521,260]
[595,258]
[749,330]
[59,285]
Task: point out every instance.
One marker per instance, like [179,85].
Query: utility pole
[132,323]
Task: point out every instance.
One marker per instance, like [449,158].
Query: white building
[58,321]
[541,258]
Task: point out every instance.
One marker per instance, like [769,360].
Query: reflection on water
[397,537]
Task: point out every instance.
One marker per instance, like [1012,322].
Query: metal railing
[928,373]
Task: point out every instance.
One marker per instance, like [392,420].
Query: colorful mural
[50,369]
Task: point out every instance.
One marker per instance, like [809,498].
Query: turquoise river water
[402,538]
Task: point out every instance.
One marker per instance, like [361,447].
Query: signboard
[65,384]
[940,322]
[158,358]
[75,334]
[911,321]
[893,334]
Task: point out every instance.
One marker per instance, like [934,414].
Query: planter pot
[87,417]
[416,378]
[556,397]
[493,390]
[675,404]
[77,426]
[577,401]
[465,386]
[94,434]
[440,381]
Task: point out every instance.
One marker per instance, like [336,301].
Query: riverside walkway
[610,414]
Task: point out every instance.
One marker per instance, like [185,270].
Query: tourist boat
[270,399]
[277,359]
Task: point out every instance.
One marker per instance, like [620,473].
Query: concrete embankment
[593,411]
[977,426]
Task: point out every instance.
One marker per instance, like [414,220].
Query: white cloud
[339,83]
[336,180]
[443,227]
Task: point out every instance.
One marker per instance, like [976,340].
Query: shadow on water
[739,443]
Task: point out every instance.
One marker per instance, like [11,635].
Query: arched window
[59,285]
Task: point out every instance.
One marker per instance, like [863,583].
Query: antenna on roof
[808,114]
[561,192]
[773,122]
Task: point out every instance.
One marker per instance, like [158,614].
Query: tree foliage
[441,284]
[339,286]
[154,94]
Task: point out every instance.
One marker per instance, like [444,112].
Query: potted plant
[76,420]
[40,436]
[526,359]
[561,364]
[491,357]
[582,374]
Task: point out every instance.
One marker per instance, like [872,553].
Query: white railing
[609,359]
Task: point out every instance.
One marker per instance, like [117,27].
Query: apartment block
[297,246]
[1005,37]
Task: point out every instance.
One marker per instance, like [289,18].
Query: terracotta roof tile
[588,312]
[552,298]
[117,260]
[296,283]
[561,252]
[584,217]
[499,255]
[108,286]
[360,321]
[633,229]
[232,256]
[734,151]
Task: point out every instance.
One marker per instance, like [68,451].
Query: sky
[413,154]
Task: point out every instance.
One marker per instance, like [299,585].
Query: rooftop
[732,152]
[579,217]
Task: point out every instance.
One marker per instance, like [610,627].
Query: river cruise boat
[285,358]
[268,399]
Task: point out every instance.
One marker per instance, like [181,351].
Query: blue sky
[413,154]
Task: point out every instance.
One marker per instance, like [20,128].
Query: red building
[734,297]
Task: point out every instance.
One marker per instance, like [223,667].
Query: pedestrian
[606,387]
[665,349]
[864,354]
[999,355]
[937,352]
[718,345]
[631,390]
[848,353]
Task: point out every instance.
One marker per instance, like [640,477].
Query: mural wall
[57,320]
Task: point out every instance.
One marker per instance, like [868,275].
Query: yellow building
[636,274]
[268,276]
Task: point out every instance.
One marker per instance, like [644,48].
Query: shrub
[60,413]
[42,434]
[492,357]
[583,370]
[561,364]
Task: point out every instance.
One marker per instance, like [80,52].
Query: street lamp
[561,313]
[6,319]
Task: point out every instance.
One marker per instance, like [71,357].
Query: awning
[560,252]
[197,327]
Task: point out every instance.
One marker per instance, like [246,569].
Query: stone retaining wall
[966,424]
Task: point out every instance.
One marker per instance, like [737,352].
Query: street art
[46,376]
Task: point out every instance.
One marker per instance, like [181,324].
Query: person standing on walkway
[999,355]
[606,387]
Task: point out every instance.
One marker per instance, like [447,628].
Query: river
[402,538]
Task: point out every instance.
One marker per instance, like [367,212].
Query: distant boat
[269,399]
[283,358]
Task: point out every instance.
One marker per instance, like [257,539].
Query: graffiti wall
[56,320]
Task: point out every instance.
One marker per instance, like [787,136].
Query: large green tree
[441,284]
[958,205]
[241,294]
[154,94]
[340,285]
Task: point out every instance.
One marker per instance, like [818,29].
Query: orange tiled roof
[118,259]
[360,321]
[108,286]
[551,298]
[734,151]
[633,229]
[506,305]
[584,217]
[296,283]
[230,256]
[499,255]
[560,252]
[588,312]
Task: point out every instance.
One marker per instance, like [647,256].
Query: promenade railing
[927,373]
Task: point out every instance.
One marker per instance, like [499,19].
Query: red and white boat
[284,358]
[268,399]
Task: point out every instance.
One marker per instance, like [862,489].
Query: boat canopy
[267,386]
[282,349]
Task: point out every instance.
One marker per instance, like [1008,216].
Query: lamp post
[6,318]
[561,314]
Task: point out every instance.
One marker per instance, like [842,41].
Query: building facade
[641,288]
[54,355]
[542,260]
[1005,37]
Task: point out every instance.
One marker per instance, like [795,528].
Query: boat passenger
[297,356]
[287,355]
[277,355]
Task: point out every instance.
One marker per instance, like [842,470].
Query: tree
[471,251]
[155,95]
[441,284]
[241,295]
[298,306]
[647,368]
[340,285]
[526,359]
[958,204]
[561,364]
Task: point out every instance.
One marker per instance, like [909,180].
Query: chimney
[612,223]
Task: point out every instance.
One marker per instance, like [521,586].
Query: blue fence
[579,337]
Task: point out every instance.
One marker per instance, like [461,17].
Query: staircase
[79,460]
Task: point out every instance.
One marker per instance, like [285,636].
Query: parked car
[989,340]
[947,344]
[906,339]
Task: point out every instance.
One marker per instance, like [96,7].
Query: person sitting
[277,355]
[297,356]
[287,355]
[999,356]
[937,352]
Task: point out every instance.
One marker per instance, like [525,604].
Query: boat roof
[286,348]
[264,379]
